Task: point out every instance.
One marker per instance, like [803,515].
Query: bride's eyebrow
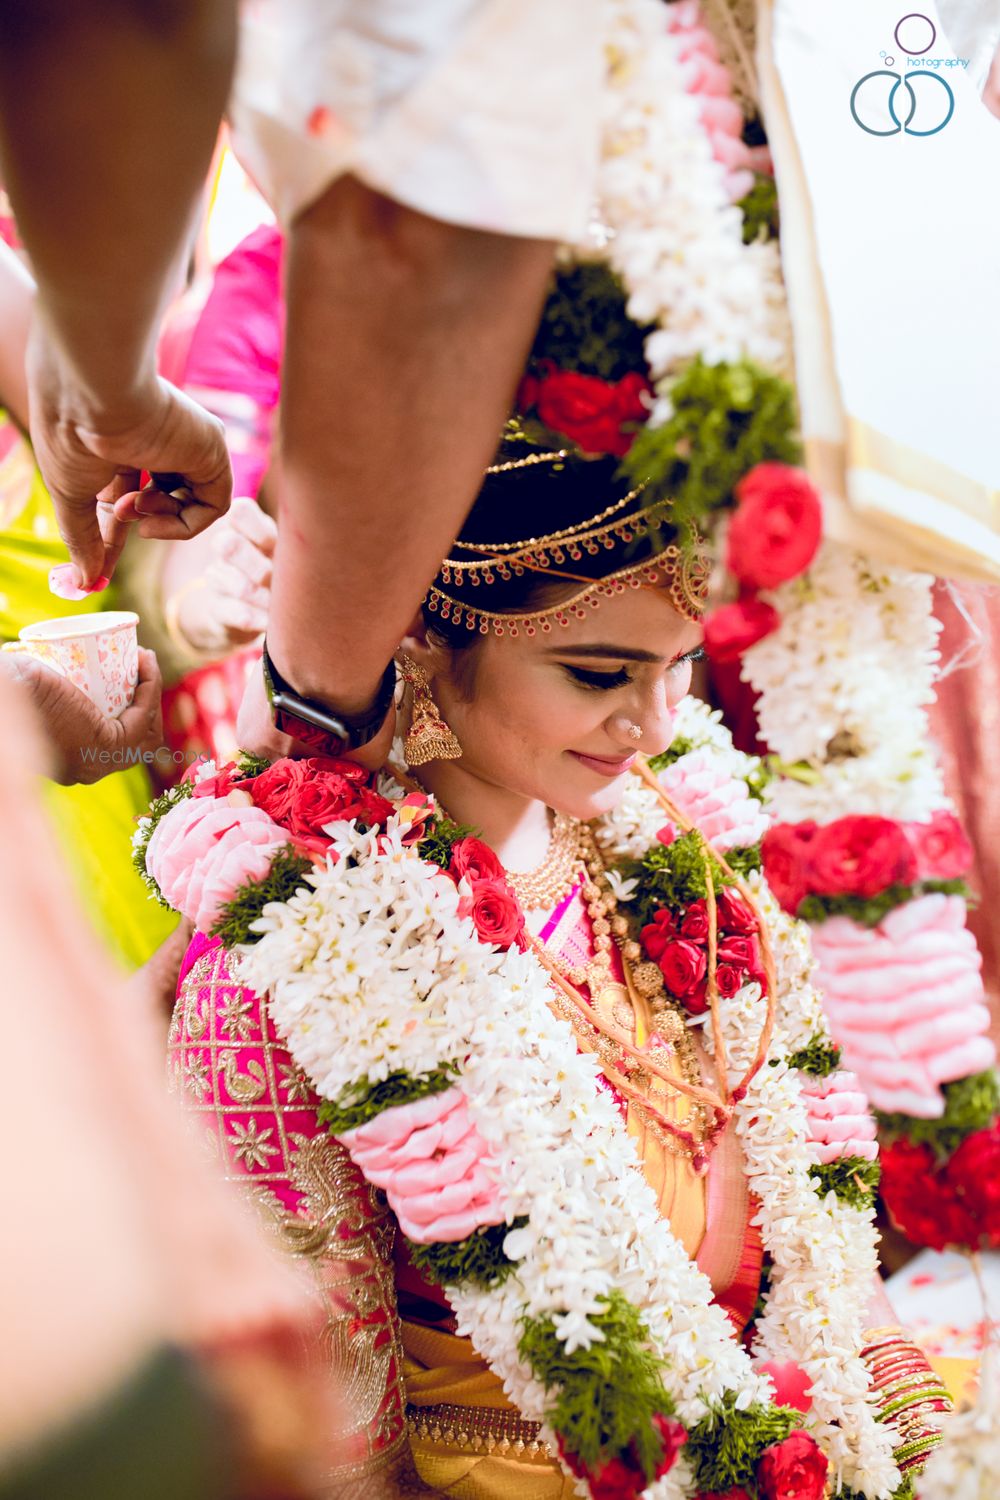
[620,653]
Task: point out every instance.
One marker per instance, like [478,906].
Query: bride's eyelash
[604,681]
[608,681]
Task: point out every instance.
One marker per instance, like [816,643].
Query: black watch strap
[318,725]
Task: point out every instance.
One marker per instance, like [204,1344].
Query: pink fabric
[203,850]
[707,78]
[430,1159]
[840,1123]
[233,361]
[905,1002]
[720,804]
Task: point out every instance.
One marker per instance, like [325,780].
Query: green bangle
[917,1449]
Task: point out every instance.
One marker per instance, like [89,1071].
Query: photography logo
[931,101]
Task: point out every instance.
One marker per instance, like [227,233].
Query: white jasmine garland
[372,971]
[677,240]
[844,686]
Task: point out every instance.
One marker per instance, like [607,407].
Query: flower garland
[373,926]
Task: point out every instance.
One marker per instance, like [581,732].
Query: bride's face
[548,716]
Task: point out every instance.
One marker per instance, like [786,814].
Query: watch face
[323,741]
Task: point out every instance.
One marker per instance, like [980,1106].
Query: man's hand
[256,732]
[229,608]
[86,744]
[91,462]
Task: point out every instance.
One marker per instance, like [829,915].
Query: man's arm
[109,111]
[406,337]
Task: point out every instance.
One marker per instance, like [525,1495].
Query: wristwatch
[316,724]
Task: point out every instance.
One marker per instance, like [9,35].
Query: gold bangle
[171,615]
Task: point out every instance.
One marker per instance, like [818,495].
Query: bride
[548,666]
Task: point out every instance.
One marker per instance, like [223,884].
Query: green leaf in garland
[585,325]
[287,873]
[679,746]
[868,911]
[761,219]
[971,1104]
[818,1057]
[723,1448]
[362,1101]
[158,808]
[852,1178]
[250,766]
[605,1396]
[477,1261]
[436,847]
[673,875]
[727,418]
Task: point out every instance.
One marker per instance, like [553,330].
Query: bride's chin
[585,806]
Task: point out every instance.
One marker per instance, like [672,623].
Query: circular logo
[917,27]
[929,111]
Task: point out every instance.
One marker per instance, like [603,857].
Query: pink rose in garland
[859,856]
[794,1469]
[733,629]
[776,530]
[941,848]
[594,413]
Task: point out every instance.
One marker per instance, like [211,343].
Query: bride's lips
[604,766]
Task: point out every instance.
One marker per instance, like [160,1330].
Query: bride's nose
[650,729]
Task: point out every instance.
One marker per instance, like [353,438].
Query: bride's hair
[550,531]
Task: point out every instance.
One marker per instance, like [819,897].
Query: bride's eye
[602,680]
[689,657]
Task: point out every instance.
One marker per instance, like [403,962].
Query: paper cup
[98,653]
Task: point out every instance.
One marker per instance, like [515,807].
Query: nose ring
[634,732]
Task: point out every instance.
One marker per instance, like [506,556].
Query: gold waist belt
[478,1429]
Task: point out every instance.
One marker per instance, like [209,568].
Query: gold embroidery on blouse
[245,1088]
[343,1228]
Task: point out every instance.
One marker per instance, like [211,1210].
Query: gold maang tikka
[429,736]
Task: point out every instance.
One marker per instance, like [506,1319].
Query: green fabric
[159,1438]
[94,824]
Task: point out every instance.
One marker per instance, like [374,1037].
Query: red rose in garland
[304,795]
[785,853]
[472,858]
[734,628]
[683,965]
[860,856]
[694,924]
[729,980]
[734,913]
[736,1493]
[776,530]
[794,1469]
[622,1478]
[941,848]
[590,411]
[494,909]
[973,1174]
[920,1203]
[658,934]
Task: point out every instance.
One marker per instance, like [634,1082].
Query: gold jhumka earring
[429,736]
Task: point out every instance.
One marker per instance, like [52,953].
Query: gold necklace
[665,1019]
[552,880]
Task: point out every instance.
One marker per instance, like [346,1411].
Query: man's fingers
[115,534]
[250,521]
[79,529]
[248,618]
[245,557]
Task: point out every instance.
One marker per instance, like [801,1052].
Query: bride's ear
[416,645]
